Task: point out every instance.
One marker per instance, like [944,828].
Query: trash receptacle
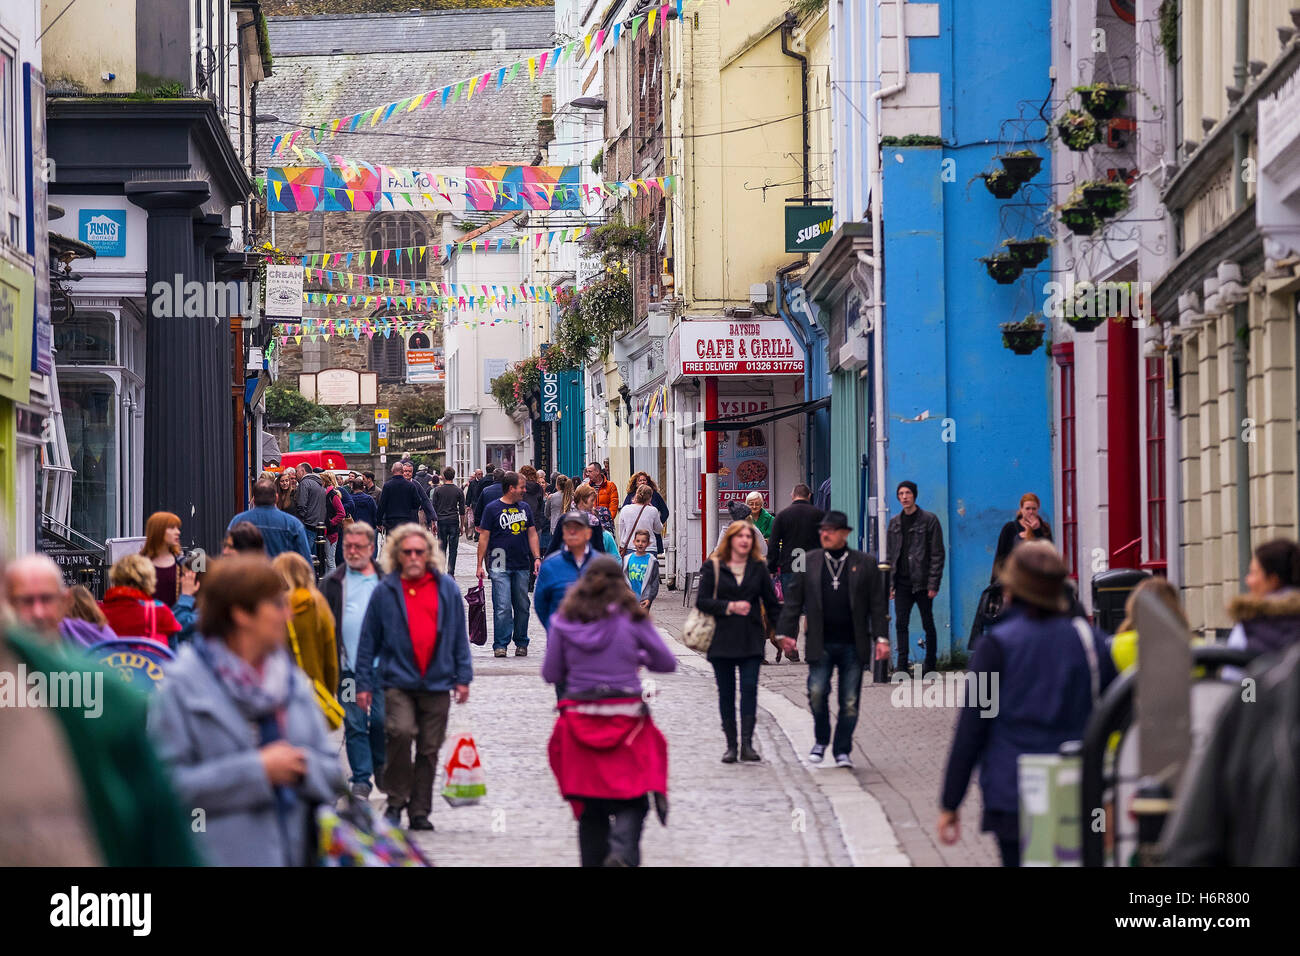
[1110,589]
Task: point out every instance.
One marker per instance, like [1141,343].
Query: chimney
[546,105]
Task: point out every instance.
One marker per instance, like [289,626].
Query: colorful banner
[368,257]
[449,189]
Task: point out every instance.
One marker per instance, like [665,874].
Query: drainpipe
[786,29]
[876,259]
[806,340]
[1241,319]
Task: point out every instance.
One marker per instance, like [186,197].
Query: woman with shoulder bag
[639,516]
[736,589]
[336,518]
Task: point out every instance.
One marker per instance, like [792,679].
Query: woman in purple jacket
[606,752]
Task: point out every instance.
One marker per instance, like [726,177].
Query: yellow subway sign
[807,228]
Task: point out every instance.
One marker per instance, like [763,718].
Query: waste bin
[1110,589]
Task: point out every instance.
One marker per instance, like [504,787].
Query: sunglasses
[414,551]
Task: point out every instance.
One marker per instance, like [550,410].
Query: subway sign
[807,228]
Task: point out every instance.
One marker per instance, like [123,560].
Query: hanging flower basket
[1024,337]
[1001,184]
[1078,131]
[1084,323]
[1028,252]
[1002,268]
[1087,309]
[1105,199]
[1022,165]
[1103,100]
[1079,218]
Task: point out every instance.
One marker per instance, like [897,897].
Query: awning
[270,449]
[733,423]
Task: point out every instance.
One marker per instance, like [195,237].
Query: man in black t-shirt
[507,543]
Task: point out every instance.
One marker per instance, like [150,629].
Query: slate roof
[520,28]
[499,126]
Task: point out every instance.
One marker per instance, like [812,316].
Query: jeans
[448,535]
[843,657]
[598,839]
[419,717]
[725,671]
[904,599]
[509,608]
[544,539]
[363,734]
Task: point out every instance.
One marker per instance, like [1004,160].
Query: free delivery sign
[104,230]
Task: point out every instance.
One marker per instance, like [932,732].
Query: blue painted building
[954,410]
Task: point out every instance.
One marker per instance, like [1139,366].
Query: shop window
[86,338]
[90,420]
[1157,559]
[1064,355]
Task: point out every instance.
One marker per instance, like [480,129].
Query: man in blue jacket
[561,569]
[415,626]
[281,531]
[401,501]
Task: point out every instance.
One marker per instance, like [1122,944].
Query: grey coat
[312,507]
[211,752]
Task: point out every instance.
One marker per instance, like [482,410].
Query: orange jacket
[607,497]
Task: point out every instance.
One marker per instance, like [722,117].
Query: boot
[747,751]
[729,731]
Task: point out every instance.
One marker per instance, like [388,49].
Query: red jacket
[133,613]
[607,749]
[607,497]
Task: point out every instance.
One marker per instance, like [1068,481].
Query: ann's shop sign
[739,348]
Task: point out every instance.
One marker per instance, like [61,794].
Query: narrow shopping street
[781,812]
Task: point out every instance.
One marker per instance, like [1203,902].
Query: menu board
[744,461]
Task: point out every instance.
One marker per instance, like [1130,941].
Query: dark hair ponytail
[1281,559]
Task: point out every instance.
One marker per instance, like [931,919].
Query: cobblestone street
[781,812]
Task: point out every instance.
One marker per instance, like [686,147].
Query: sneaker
[420,823]
[498,652]
[361,791]
[817,753]
[842,760]
[520,651]
[394,816]
[793,657]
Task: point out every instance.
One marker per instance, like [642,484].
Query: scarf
[256,695]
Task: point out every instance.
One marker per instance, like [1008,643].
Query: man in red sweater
[415,627]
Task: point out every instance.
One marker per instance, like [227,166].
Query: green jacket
[764,522]
[129,800]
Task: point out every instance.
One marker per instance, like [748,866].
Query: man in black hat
[841,593]
[914,550]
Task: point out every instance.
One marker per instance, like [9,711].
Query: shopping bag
[477,606]
[465,782]
[356,836]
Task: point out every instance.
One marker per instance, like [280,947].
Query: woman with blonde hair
[1027,525]
[1124,645]
[558,501]
[584,499]
[311,627]
[129,604]
[737,590]
[85,624]
[162,546]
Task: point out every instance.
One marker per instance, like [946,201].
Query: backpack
[606,519]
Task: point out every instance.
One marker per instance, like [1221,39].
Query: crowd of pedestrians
[309,620]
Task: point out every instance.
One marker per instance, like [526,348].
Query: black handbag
[987,611]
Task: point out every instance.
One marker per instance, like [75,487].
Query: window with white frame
[11,150]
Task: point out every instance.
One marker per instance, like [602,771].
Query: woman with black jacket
[1027,525]
[737,590]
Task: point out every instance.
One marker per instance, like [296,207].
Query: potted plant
[1078,216]
[1022,165]
[1105,198]
[1028,252]
[1103,100]
[1024,337]
[1087,309]
[1078,130]
[1002,268]
[1001,183]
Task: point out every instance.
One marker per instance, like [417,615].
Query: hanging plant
[1103,100]
[505,390]
[1024,337]
[1078,131]
[1028,252]
[1000,183]
[1022,165]
[1087,309]
[1105,198]
[1002,268]
[1078,217]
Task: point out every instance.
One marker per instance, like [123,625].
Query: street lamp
[589,103]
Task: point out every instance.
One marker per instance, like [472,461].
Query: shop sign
[17,293]
[808,228]
[284,285]
[738,348]
[104,230]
